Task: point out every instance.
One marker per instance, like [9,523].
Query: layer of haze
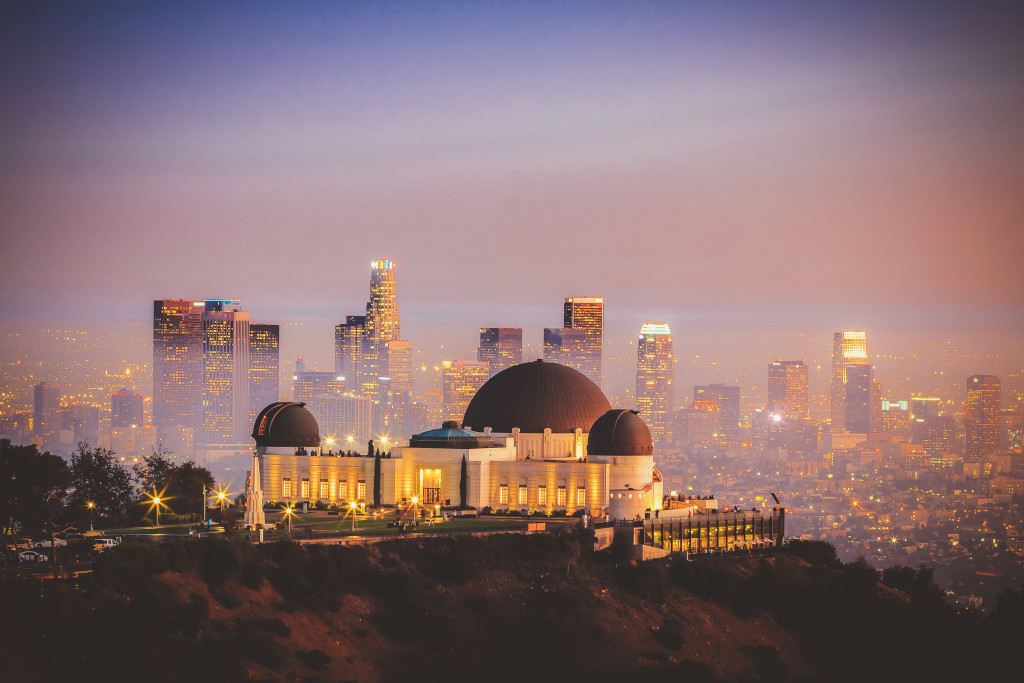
[814,166]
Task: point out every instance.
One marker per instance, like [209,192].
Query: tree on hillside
[180,485]
[33,489]
[376,480]
[463,477]
[98,477]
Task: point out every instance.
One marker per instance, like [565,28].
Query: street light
[288,516]
[156,502]
[352,512]
[92,506]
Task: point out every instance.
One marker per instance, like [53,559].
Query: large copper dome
[286,425]
[535,396]
[620,432]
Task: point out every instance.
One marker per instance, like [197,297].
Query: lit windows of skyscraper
[655,366]
[382,320]
[728,400]
[500,347]
[264,367]
[586,313]
[982,417]
[349,347]
[460,380]
[177,364]
[847,347]
[225,372]
[860,379]
[787,383]
[896,419]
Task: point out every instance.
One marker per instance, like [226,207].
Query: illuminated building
[382,320]
[936,435]
[177,364]
[460,380]
[500,347]
[847,347]
[860,378]
[703,421]
[579,342]
[655,365]
[982,417]
[264,366]
[529,452]
[371,355]
[896,419]
[45,410]
[308,385]
[728,399]
[125,409]
[349,343]
[787,383]
[922,407]
[225,371]
[345,421]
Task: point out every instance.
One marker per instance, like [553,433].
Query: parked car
[104,543]
[32,556]
[59,542]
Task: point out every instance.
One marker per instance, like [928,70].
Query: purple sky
[819,164]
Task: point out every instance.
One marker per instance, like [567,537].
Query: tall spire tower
[654,379]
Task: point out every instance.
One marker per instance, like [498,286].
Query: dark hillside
[502,608]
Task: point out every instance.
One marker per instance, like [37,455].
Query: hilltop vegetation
[503,607]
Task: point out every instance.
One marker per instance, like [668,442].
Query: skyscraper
[225,372]
[787,383]
[125,409]
[982,417]
[500,347]
[847,347]
[264,367]
[46,409]
[860,381]
[177,364]
[460,380]
[655,365]
[586,314]
[371,355]
[728,399]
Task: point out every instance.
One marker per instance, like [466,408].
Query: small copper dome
[620,432]
[286,425]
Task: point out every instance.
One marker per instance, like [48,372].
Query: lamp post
[352,513]
[92,506]
[222,497]
[288,515]
[156,502]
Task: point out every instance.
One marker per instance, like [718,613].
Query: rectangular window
[502,494]
[581,497]
[542,495]
[342,490]
[304,489]
[361,490]
[286,488]
[522,494]
[325,489]
[560,500]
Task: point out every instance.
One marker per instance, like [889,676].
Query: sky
[794,164]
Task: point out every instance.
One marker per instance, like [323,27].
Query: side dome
[286,425]
[620,432]
[534,397]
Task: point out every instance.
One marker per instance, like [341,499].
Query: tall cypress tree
[463,483]
[376,480]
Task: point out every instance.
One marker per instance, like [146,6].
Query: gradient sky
[824,164]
